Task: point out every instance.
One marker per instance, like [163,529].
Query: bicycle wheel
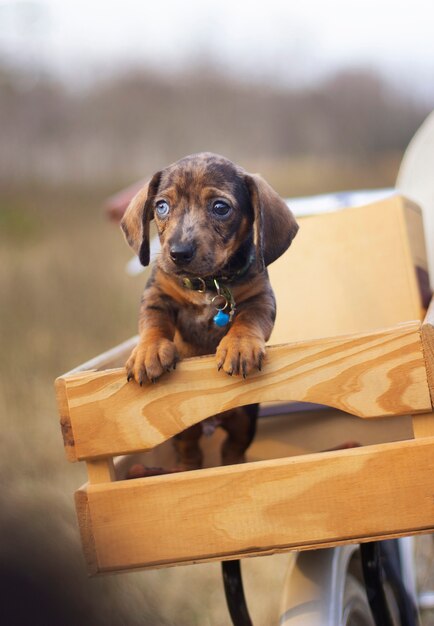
[355,606]
[325,588]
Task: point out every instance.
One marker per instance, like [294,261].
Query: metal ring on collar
[225,302]
[202,285]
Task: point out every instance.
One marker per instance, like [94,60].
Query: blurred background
[95,95]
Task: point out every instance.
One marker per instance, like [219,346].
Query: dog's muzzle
[182,253]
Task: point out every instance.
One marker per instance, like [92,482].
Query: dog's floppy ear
[274,224]
[135,222]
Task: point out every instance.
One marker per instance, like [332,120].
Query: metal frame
[390,602]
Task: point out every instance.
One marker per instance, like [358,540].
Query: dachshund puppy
[209,290]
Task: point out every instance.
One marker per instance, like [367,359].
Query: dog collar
[223,301]
[209,282]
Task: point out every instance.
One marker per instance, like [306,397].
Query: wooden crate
[358,271]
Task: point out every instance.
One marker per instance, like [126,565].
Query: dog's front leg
[242,349]
[156,352]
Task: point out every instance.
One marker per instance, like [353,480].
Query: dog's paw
[149,360]
[238,354]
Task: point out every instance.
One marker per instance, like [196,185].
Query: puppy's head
[206,208]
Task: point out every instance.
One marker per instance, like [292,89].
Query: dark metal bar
[380,563]
[374,583]
[392,568]
[234,592]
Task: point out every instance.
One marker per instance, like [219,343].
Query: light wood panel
[423,425]
[380,491]
[428,346]
[65,420]
[350,271]
[101,471]
[86,531]
[368,375]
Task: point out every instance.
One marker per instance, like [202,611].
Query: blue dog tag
[221,319]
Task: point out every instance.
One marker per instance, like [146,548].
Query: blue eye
[220,208]
[162,208]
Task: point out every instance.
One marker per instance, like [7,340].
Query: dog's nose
[182,253]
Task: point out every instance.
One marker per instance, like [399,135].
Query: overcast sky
[289,41]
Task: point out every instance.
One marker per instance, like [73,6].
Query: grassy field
[64,298]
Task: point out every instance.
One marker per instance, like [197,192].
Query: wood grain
[423,425]
[369,375]
[84,524]
[101,471]
[350,271]
[317,500]
[65,421]
[428,346]
[115,357]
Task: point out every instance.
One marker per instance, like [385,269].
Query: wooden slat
[316,500]
[374,374]
[114,357]
[101,471]
[423,425]
[84,523]
[65,421]
[428,346]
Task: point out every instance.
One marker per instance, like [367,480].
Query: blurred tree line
[131,124]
